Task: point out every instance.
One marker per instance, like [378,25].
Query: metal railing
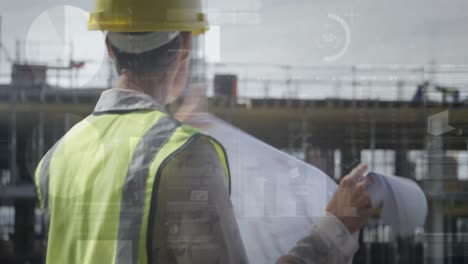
[383,82]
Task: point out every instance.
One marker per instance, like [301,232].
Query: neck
[151,86]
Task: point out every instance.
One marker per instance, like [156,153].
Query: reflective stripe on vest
[97,184]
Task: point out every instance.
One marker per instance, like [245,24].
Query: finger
[360,183]
[349,211]
[364,183]
[358,171]
[348,181]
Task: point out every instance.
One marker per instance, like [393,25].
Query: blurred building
[394,136]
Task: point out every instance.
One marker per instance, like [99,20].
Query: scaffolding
[335,127]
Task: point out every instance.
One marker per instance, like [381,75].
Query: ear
[109,49]
[185,49]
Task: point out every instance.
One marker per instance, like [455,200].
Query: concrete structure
[331,134]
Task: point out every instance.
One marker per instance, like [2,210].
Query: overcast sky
[295,32]
[397,31]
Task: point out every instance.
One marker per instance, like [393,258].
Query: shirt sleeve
[196,222]
[328,242]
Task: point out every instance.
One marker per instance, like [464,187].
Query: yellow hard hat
[148,16]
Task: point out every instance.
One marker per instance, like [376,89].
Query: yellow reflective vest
[98,185]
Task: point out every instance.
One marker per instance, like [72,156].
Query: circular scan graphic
[334,39]
[59,38]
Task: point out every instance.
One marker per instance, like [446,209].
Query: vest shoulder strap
[194,133]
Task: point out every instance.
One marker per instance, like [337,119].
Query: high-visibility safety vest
[98,185]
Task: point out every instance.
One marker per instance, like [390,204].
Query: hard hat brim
[196,28]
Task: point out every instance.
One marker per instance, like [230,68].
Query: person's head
[155,63]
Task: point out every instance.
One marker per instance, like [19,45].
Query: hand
[351,203]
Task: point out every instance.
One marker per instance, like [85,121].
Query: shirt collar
[125,100]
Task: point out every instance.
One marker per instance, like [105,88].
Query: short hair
[155,61]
